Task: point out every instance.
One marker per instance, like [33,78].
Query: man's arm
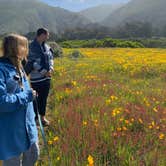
[51,60]
[28,67]
[32,63]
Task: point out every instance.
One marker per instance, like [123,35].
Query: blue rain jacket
[18,129]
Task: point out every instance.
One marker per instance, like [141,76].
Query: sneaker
[45,122]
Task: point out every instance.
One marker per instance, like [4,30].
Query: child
[18,137]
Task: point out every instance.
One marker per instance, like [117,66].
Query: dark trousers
[42,89]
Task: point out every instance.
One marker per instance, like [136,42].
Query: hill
[151,11]
[24,16]
[99,13]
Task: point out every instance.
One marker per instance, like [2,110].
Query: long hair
[12,45]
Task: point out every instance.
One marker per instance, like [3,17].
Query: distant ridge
[100,12]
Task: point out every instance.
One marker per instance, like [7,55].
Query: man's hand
[49,73]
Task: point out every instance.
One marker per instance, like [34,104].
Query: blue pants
[28,158]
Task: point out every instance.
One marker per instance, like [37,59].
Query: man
[40,67]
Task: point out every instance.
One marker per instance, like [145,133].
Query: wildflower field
[108,108]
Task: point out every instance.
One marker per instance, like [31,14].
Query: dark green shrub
[76,54]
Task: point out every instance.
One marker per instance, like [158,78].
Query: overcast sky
[76,5]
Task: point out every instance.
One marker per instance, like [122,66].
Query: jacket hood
[6,62]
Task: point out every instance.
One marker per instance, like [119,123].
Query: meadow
[108,108]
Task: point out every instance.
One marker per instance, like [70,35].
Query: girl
[18,132]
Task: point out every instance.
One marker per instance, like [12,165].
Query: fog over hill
[152,11]
[24,16]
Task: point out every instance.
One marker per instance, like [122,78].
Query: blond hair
[10,47]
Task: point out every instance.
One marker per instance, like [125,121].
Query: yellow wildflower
[161,136]
[140,120]
[157,127]
[68,91]
[119,129]
[108,101]
[50,142]
[121,119]
[113,98]
[155,110]
[153,123]
[125,128]
[116,111]
[90,161]
[74,83]
[132,119]
[96,123]
[84,123]
[58,158]
[56,139]
[150,127]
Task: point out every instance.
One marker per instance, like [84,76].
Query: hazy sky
[77,5]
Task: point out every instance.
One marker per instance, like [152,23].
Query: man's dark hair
[41,31]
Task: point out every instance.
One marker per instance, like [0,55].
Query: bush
[129,44]
[57,50]
[90,43]
[107,42]
[76,54]
[154,43]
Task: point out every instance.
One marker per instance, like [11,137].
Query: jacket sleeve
[33,55]
[51,59]
[13,102]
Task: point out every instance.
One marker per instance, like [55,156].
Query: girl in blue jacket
[18,131]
